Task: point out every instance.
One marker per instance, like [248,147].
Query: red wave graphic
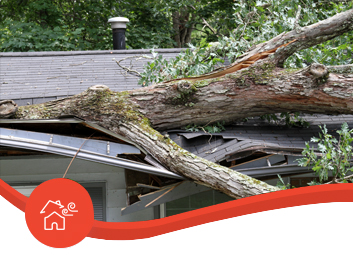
[259,203]
[13,196]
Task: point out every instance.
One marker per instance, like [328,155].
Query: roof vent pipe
[118,25]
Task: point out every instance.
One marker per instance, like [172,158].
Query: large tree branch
[257,90]
[115,112]
[314,34]
[285,44]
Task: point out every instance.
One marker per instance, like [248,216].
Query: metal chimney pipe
[118,25]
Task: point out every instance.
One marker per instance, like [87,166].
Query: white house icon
[54,219]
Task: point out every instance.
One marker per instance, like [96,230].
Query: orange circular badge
[59,213]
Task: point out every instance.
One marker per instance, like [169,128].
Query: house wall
[32,170]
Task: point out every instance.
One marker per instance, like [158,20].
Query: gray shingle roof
[35,77]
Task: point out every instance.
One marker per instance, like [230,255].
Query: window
[196,201]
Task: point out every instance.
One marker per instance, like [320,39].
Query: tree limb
[115,112]
[296,22]
[253,91]
[207,24]
[129,69]
[286,44]
[338,180]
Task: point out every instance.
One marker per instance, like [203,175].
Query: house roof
[51,203]
[37,77]
[241,140]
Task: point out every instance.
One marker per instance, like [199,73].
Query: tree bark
[254,85]
[254,91]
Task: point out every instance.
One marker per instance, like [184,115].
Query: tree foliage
[31,25]
[43,25]
[257,22]
[334,155]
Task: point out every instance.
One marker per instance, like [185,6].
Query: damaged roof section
[105,147]
[258,144]
[148,183]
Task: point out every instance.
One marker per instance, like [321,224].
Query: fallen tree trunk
[260,89]
[254,85]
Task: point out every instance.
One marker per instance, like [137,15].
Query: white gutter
[68,146]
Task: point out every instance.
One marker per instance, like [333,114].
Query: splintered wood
[235,66]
